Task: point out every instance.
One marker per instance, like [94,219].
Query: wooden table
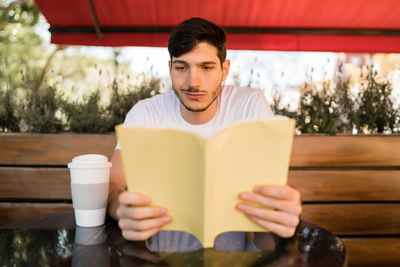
[55,240]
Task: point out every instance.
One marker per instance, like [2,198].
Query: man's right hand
[137,219]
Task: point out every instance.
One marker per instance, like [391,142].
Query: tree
[18,45]
[24,62]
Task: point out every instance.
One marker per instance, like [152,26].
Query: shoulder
[249,102]
[152,108]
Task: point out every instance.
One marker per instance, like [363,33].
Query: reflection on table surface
[54,240]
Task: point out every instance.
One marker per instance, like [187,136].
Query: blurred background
[51,88]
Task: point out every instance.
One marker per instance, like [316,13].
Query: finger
[293,207]
[139,235]
[279,192]
[279,229]
[139,213]
[129,198]
[266,214]
[142,225]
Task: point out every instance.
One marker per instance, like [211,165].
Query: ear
[225,69]
[169,65]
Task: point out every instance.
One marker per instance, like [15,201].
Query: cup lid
[90,161]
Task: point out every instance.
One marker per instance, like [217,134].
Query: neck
[197,118]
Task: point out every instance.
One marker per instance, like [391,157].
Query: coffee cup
[89,187]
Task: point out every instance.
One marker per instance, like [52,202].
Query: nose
[195,78]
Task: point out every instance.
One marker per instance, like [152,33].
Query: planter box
[350,185]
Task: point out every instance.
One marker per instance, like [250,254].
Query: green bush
[334,109]
[318,112]
[9,121]
[44,110]
[39,112]
[87,116]
[376,112]
[346,106]
[121,103]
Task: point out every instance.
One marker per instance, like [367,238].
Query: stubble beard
[215,95]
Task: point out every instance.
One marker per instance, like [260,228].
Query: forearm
[117,185]
[113,202]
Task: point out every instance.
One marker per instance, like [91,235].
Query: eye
[208,67]
[181,68]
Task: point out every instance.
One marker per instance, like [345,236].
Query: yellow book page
[168,166]
[171,165]
[245,155]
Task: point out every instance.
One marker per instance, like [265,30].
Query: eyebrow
[202,63]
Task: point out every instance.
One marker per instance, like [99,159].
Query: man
[199,100]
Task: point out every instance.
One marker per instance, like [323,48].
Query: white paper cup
[89,186]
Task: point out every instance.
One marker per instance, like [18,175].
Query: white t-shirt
[234,104]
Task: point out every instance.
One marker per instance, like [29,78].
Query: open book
[199,179]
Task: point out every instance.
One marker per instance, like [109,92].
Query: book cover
[199,179]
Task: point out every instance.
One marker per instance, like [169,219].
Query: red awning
[287,25]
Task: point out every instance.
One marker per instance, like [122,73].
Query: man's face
[197,76]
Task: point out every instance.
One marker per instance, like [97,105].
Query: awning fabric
[286,25]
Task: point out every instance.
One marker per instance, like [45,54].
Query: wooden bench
[34,179]
[350,185]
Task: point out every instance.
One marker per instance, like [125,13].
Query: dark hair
[190,32]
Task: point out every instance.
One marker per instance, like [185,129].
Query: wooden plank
[372,251]
[324,151]
[308,150]
[347,185]
[35,183]
[355,219]
[314,185]
[52,149]
[13,212]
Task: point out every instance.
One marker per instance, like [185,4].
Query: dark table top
[55,240]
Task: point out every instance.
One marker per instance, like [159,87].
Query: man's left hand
[282,212]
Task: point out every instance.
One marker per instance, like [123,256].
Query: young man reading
[198,68]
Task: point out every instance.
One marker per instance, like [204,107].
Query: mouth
[194,96]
